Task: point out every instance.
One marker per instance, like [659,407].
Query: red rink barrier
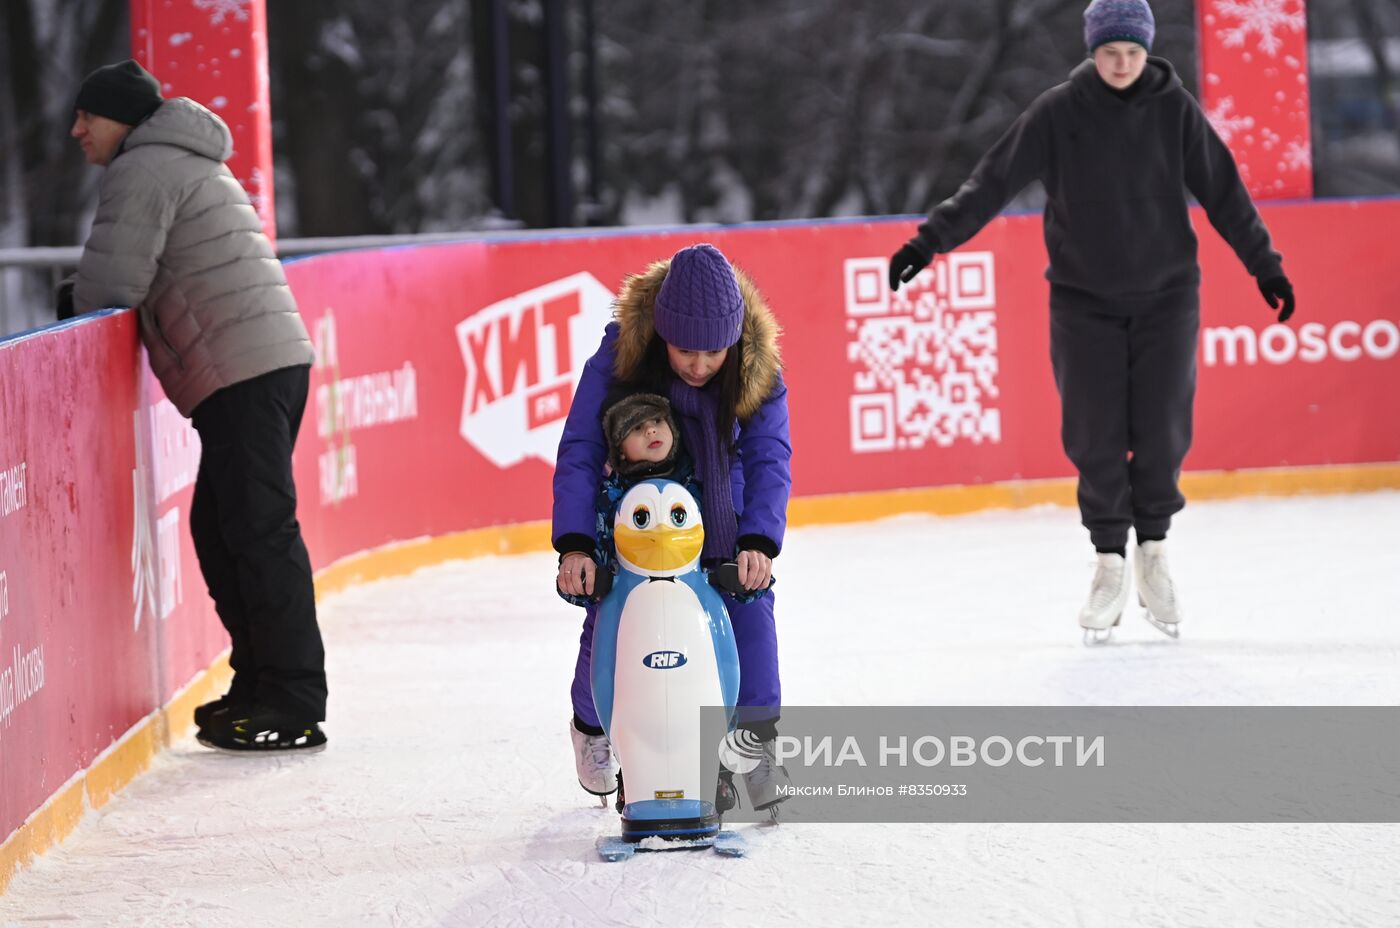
[444,372]
[75,668]
[103,613]
[462,385]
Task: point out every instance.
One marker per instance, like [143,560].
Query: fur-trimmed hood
[762,360]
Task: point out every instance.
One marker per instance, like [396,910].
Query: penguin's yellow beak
[659,549]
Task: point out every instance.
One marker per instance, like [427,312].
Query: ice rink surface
[447,795]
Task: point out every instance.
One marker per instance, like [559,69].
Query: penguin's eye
[678,515]
[641,517]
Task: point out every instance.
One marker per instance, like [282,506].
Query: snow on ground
[447,795]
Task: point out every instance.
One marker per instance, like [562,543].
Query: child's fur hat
[628,413]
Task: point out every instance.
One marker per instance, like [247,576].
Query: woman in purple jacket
[695,330]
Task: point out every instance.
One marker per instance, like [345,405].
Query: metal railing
[59,262]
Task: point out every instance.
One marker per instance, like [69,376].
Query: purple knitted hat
[1119,21]
[699,307]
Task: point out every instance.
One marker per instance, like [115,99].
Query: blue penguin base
[669,818]
[613,848]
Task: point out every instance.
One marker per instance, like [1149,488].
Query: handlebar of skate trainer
[602,583]
[725,577]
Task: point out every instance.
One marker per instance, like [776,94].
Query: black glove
[63,299]
[913,256]
[602,583]
[1278,290]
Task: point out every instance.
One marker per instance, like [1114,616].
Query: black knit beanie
[625,415]
[125,92]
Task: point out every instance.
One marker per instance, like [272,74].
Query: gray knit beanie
[1119,21]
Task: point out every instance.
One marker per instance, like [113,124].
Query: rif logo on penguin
[664,660]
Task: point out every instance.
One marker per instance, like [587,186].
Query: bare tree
[820,107]
[709,110]
[373,114]
[49,47]
[1369,21]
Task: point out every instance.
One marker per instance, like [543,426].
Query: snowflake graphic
[1266,18]
[1297,156]
[221,8]
[1226,122]
[254,188]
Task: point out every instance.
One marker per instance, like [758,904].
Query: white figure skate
[1156,592]
[593,759]
[1107,596]
[763,781]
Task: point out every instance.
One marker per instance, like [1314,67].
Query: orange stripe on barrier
[1202,485]
[1291,481]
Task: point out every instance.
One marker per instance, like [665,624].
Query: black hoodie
[1117,226]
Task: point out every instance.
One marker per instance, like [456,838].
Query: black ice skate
[261,731]
[726,796]
[205,713]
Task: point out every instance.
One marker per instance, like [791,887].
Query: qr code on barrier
[925,356]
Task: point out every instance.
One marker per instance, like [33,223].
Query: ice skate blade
[1170,629]
[774,818]
[602,797]
[1098,636]
[1094,637]
[261,752]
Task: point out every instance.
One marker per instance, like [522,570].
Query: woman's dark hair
[655,375]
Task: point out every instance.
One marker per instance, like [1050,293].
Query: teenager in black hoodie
[1117,146]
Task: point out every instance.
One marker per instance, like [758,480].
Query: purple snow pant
[755,636]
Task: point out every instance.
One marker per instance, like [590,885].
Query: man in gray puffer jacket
[176,237]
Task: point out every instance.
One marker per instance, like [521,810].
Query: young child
[643,439]
[643,442]
[1117,146]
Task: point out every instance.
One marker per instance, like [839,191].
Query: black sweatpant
[249,543]
[1127,384]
